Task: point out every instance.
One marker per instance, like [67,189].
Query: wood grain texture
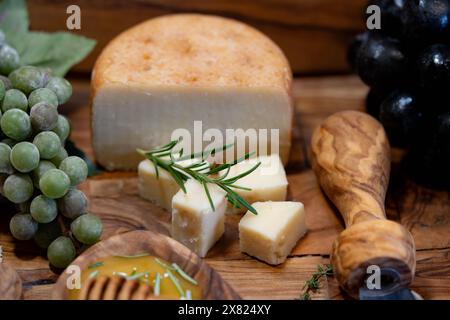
[10,283]
[314,34]
[351,158]
[138,242]
[425,212]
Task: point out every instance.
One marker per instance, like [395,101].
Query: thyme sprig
[166,158]
[313,283]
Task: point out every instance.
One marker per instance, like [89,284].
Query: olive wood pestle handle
[351,158]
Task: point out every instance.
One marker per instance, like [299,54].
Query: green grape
[15,124]
[61,87]
[5,163]
[42,95]
[14,99]
[9,59]
[54,184]
[42,168]
[73,204]
[62,128]
[43,116]
[22,226]
[62,154]
[2,38]
[61,252]
[43,209]
[75,168]
[24,157]
[2,90]
[28,78]
[87,228]
[18,188]
[10,142]
[6,82]
[48,144]
[46,233]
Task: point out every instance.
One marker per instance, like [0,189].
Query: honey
[173,282]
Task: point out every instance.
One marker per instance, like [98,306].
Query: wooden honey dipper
[351,158]
[115,288]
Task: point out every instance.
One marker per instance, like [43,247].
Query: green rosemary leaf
[177,178]
[157,286]
[241,188]
[176,282]
[206,153]
[240,176]
[155,164]
[306,296]
[164,265]
[137,275]
[222,177]
[313,283]
[211,203]
[183,274]
[238,199]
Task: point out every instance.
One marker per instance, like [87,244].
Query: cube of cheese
[194,223]
[271,235]
[168,72]
[267,183]
[159,190]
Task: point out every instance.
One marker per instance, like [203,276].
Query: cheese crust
[168,72]
[192,50]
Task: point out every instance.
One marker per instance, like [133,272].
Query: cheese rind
[194,223]
[272,234]
[168,72]
[267,183]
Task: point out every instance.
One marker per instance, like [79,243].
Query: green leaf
[13,19]
[73,150]
[58,51]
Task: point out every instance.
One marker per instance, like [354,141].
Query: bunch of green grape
[36,172]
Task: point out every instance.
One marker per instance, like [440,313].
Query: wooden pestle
[351,158]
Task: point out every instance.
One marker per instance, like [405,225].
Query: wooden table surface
[425,212]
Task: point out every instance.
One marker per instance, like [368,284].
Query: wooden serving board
[113,197]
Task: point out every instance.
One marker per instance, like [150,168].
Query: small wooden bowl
[139,242]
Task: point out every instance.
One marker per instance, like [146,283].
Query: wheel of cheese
[168,72]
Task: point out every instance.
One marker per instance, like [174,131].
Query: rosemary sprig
[163,157]
[313,283]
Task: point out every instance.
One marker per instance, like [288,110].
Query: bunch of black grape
[407,66]
[36,173]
